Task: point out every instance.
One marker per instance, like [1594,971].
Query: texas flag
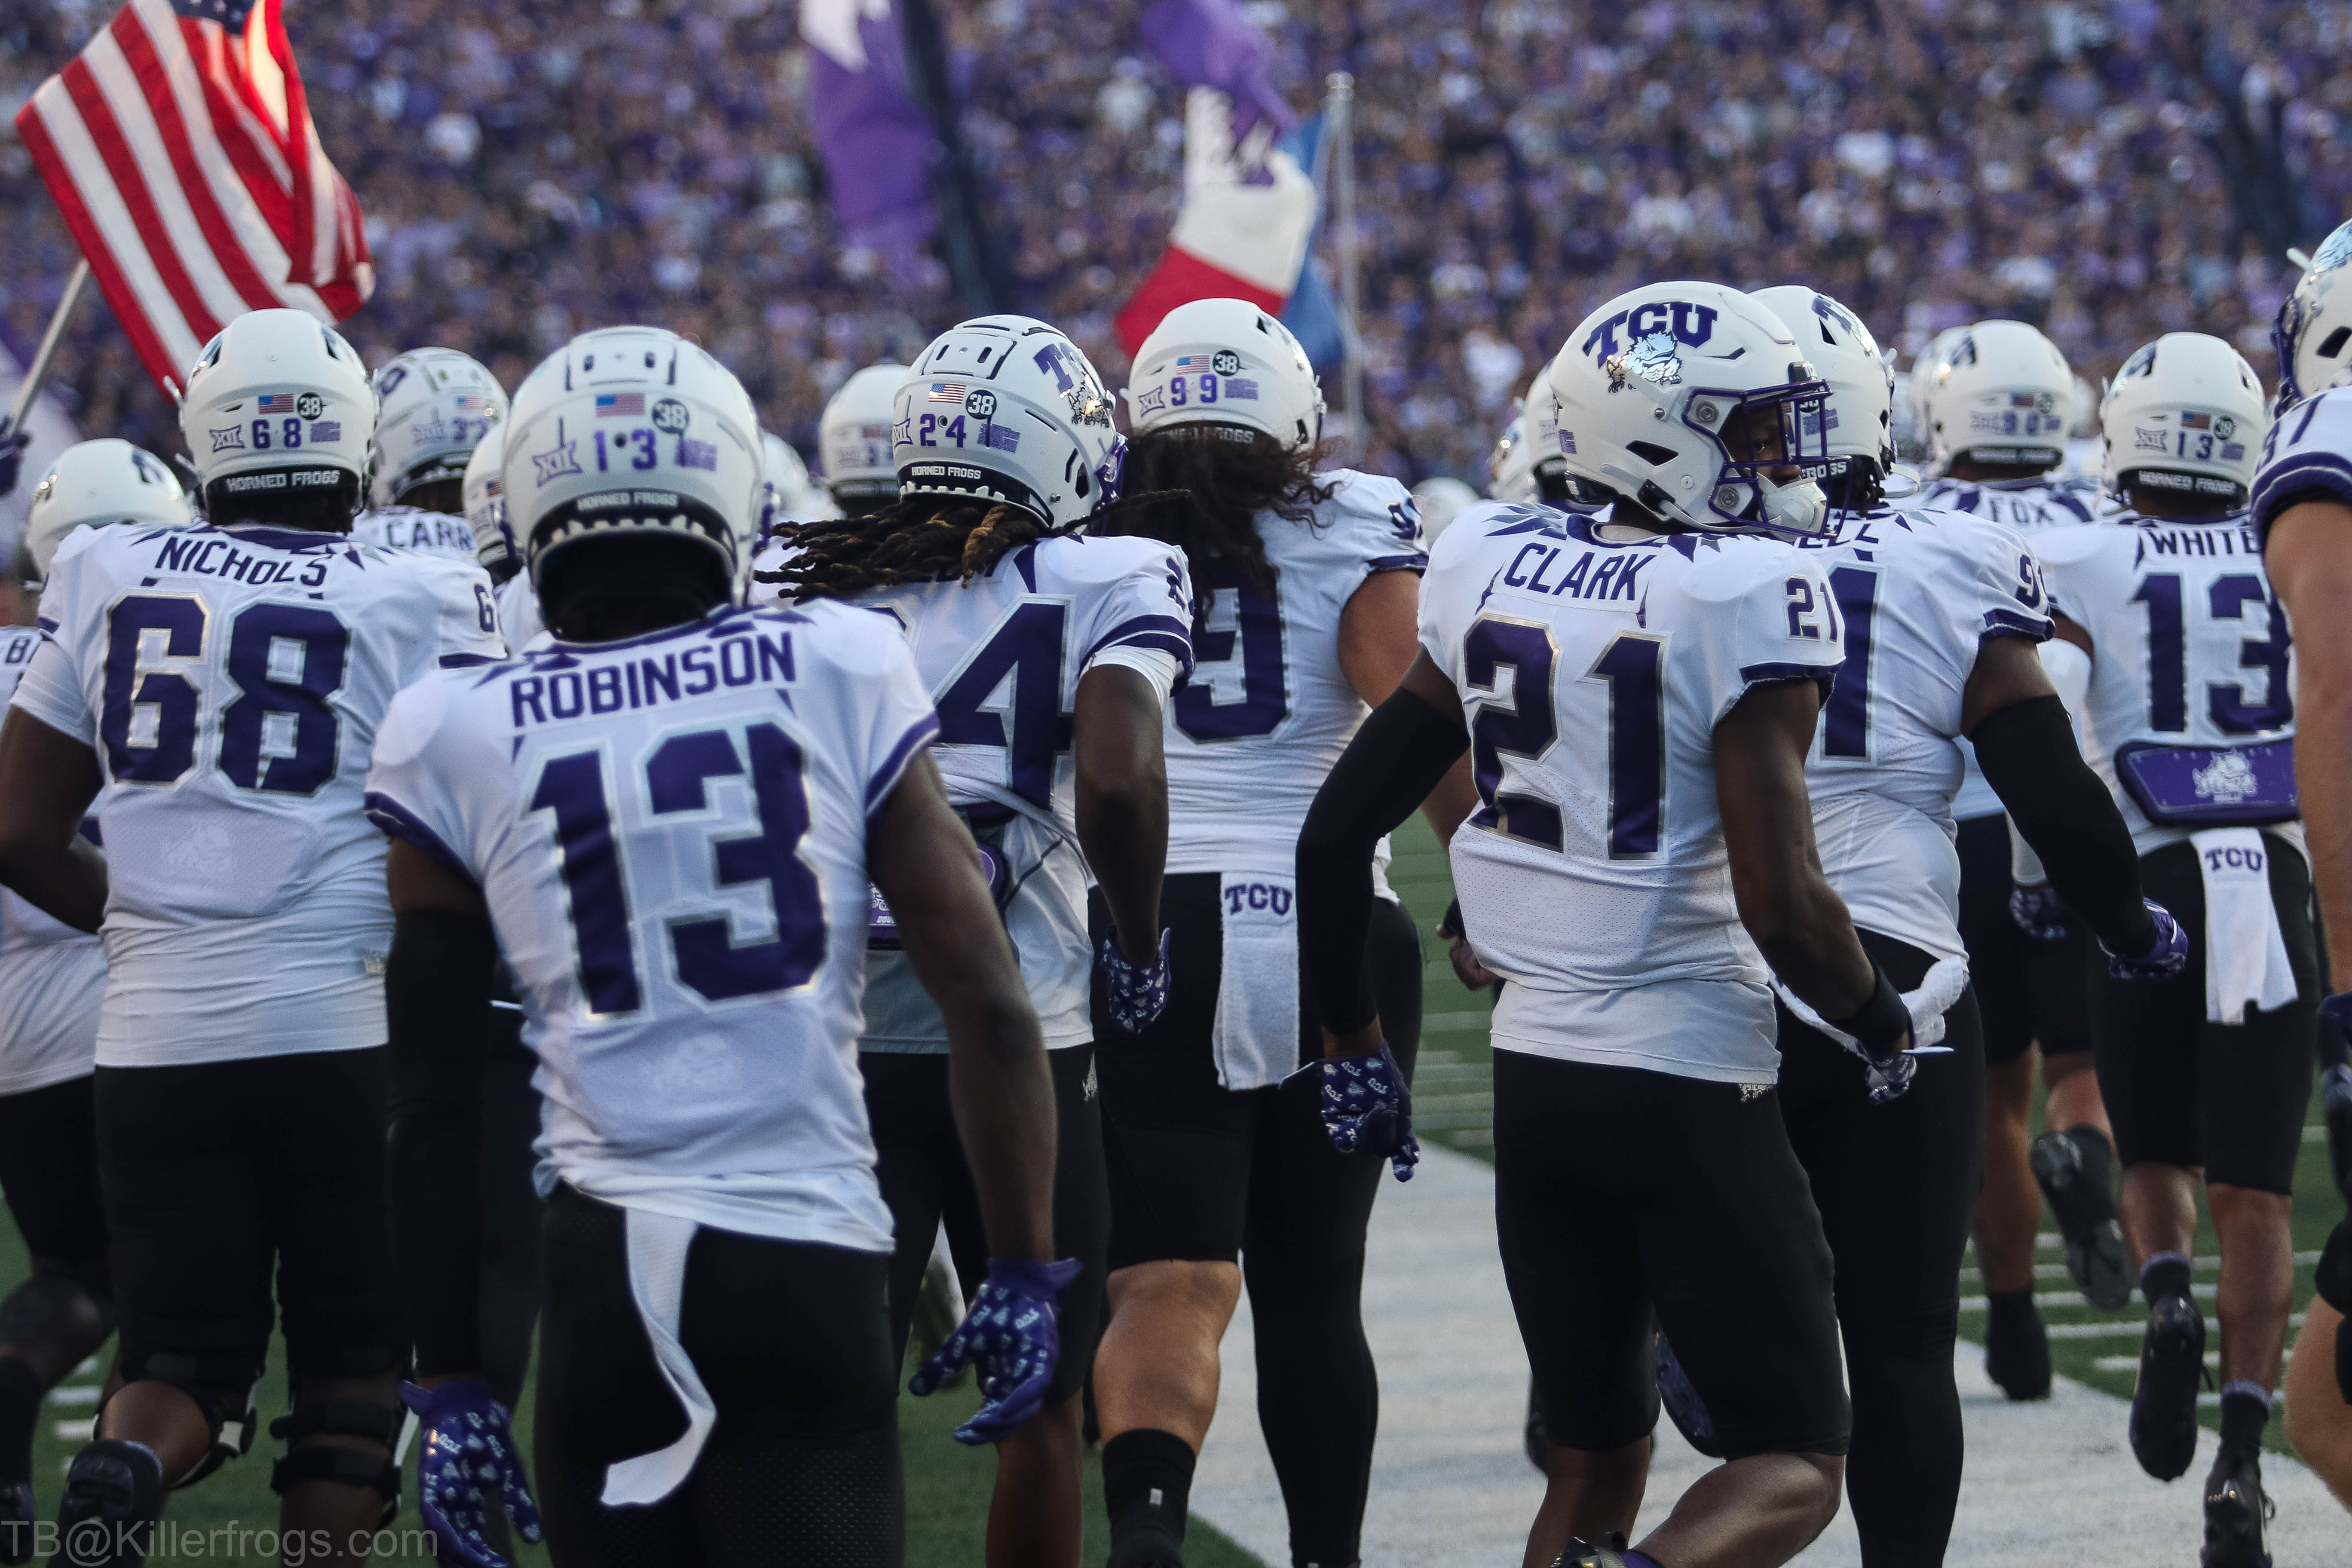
[1248,208]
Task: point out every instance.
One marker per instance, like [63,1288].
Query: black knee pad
[54,1309]
[218,1384]
[330,1462]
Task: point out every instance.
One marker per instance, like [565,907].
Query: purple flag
[876,143]
[1208,43]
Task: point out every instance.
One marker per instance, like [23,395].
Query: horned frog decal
[2229,780]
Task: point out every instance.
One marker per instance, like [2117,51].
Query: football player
[51,979]
[667,820]
[2191,684]
[1996,399]
[215,690]
[2301,505]
[1049,657]
[1942,614]
[854,452]
[1306,586]
[435,406]
[517,603]
[1638,697]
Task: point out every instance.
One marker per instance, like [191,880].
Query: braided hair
[1234,474]
[923,539]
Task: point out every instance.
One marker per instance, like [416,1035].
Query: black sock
[1147,1482]
[2166,1274]
[20,1410]
[2245,1411]
[2098,1154]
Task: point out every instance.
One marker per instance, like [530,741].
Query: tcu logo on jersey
[1674,321]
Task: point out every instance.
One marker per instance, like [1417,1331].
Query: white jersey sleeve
[1920,591]
[516,605]
[231,681]
[51,975]
[670,835]
[1593,663]
[2308,452]
[413,528]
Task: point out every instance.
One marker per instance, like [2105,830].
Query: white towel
[2245,955]
[1255,1038]
[657,1245]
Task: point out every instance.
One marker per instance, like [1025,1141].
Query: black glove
[12,457]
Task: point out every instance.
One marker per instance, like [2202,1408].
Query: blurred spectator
[555,164]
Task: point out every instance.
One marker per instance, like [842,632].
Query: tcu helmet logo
[981,405]
[1672,319]
[670,416]
[2334,251]
[1830,311]
[1226,362]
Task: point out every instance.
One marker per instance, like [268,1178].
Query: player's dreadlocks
[927,538]
[1234,475]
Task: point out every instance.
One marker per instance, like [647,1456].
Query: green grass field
[948,1484]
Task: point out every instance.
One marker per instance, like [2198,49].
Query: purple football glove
[2038,911]
[465,1466]
[1367,1106]
[2165,957]
[1135,994]
[1014,1335]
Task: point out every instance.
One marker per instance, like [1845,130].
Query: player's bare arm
[922,857]
[2313,573]
[47,780]
[1122,801]
[1377,643]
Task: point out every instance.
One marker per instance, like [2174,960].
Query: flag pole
[1340,128]
[38,371]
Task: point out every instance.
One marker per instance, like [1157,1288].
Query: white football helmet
[1861,411]
[1648,384]
[277,406]
[91,485]
[1440,499]
[2084,426]
[1511,468]
[791,494]
[1226,361]
[1922,380]
[852,439]
[2001,394]
[2185,413]
[433,406]
[1005,408]
[1908,447]
[485,502]
[2314,324]
[634,430]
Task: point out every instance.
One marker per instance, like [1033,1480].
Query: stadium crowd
[2106,171]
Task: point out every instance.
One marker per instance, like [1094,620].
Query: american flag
[620,405]
[179,147]
[947,392]
[2193,421]
[275,403]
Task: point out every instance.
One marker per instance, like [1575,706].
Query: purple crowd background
[529,170]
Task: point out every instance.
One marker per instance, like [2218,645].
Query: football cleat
[2236,1510]
[2017,1348]
[2164,1404]
[17,1522]
[2079,1196]
[1146,1547]
[114,1495]
[1607,1552]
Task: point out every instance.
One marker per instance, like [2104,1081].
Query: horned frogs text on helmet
[1005,408]
[634,430]
[277,407]
[483,495]
[852,439]
[1511,469]
[434,406]
[2185,413]
[91,485]
[1861,411]
[2315,324]
[2002,394]
[1649,383]
[1226,361]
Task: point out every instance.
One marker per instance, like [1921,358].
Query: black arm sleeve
[2028,756]
[437,992]
[1398,756]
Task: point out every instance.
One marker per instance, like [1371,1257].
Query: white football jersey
[1919,591]
[1594,662]
[670,833]
[51,975]
[2308,449]
[1001,659]
[2026,506]
[2189,647]
[516,606]
[1268,709]
[413,528]
[231,681]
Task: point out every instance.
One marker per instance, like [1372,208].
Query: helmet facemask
[1782,432]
